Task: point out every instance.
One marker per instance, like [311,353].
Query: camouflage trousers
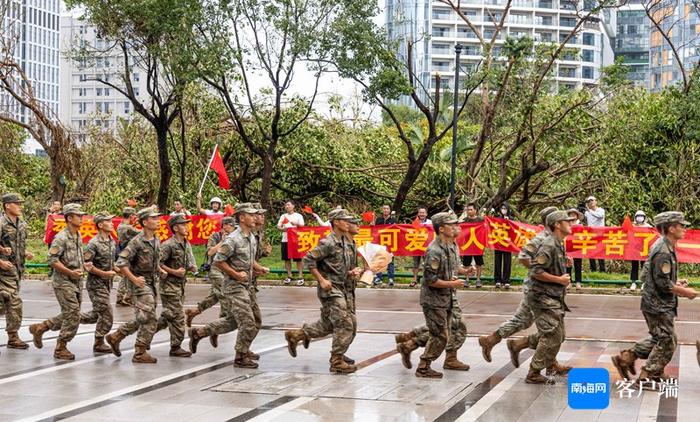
[123,290]
[659,347]
[101,313]
[549,319]
[353,314]
[11,302]
[456,330]
[239,314]
[337,318]
[145,321]
[215,294]
[173,317]
[521,320]
[69,297]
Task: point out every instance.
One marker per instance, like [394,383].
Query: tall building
[631,40]
[86,102]
[434,29]
[682,23]
[35,26]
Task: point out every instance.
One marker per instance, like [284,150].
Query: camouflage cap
[341,214]
[442,218]
[245,207]
[670,217]
[75,209]
[12,198]
[101,216]
[558,216]
[258,206]
[148,213]
[578,213]
[546,211]
[228,220]
[177,219]
[128,212]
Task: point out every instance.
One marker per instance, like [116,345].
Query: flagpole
[204,179]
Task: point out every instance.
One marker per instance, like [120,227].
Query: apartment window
[544,20]
[82,77]
[107,92]
[127,107]
[82,108]
[136,77]
[587,55]
[588,38]
[567,22]
[587,72]
[81,92]
[98,92]
[441,32]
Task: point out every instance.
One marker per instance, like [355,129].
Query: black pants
[501,272]
[601,265]
[636,265]
[576,269]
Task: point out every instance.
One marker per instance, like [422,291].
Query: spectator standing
[470,215]
[388,217]
[595,217]
[215,204]
[640,220]
[502,260]
[290,219]
[179,209]
[423,220]
[578,262]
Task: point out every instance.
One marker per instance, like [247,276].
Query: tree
[147,36]
[40,121]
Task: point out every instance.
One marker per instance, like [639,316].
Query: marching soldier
[216,277]
[125,232]
[13,252]
[546,298]
[99,263]
[236,259]
[66,259]
[659,303]
[140,263]
[176,258]
[332,263]
[441,268]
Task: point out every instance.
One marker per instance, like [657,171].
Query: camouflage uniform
[546,300]
[334,257]
[238,251]
[659,306]
[125,232]
[456,331]
[216,278]
[100,252]
[142,257]
[441,263]
[67,248]
[175,255]
[13,235]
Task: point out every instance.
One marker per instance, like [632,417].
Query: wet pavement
[207,387]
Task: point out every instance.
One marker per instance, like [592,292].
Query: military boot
[214,340]
[404,337]
[647,381]
[190,314]
[179,352]
[243,361]
[452,363]
[405,349]
[114,339]
[624,362]
[535,377]
[348,360]
[196,334]
[100,346]
[253,355]
[515,347]
[37,331]
[424,371]
[293,338]
[61,352]
[339,366]
[142,356]
[487,343]
[14,342]
[558,369]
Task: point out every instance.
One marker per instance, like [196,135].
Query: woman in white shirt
[288,220]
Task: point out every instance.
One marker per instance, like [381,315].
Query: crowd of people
[149,269]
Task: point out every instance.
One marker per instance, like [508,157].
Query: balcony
[545,4]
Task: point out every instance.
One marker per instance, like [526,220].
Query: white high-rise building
[85,101]
[35,24]
[435,29]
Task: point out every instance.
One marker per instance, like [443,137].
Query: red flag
[416,223]
[217,164]
[229,210]
[627,223]
[368,216]
[307,209]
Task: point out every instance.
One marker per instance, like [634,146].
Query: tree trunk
[412,173]
[266,182]
[163,165]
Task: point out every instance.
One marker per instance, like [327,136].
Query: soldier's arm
[311,259]
[539,269]
[123,263]
[166,251]
[662,263]
[431,276]
[221,262]
[88,256]
[55,252]
[191,259]
[5,264]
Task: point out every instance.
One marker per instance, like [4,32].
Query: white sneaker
[287,280]
[300,282]
[633,286]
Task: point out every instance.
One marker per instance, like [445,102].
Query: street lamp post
[453,172]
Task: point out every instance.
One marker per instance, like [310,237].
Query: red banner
[200,229]
[504,235]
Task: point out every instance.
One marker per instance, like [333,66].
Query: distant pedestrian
[388,217]
[595,217]
[471,215]
[288,220]
[502,259]
[640,220]
[423,220]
